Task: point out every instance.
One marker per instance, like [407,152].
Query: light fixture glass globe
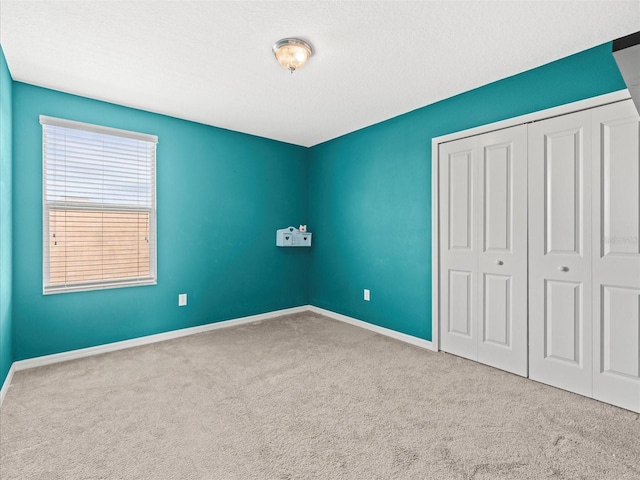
[292,53]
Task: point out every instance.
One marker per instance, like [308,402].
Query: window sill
[87,287]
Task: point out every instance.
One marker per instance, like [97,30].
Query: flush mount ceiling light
[292,53]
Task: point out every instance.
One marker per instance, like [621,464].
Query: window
[99,207]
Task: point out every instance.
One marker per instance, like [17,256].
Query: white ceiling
[211,61]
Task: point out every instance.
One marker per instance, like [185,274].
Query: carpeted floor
[302,397]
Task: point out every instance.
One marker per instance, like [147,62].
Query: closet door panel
[616,256]
[560,340]
[458,251]
[497,317]
[620,333]
[563,161]
[502,257]
[563,321]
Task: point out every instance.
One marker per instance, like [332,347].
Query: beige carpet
[302,397]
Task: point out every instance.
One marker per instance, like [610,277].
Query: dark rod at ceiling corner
[626,51]
[626,42]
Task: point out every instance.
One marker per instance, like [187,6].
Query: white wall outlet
[367,294]
[182,299]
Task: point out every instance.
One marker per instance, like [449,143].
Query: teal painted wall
[6,256]
[370,191]
[221,195]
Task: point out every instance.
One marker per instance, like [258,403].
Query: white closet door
[458,247]
[560,252]
[483,260]
[616,255]
[502,256]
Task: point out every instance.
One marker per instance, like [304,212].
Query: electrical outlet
[182,299]
[367,294]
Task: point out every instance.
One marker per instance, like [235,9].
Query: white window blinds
[99,207]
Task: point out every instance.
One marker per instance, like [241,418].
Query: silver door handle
[499,262]
[563,269]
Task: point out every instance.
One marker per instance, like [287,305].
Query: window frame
[47,207]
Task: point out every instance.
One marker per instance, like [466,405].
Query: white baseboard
[403,337]
[7,383]
[160,337]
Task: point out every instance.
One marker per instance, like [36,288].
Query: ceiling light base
[292,53]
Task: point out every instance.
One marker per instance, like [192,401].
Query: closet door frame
[435,175]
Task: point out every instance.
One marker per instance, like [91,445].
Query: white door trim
[510,122]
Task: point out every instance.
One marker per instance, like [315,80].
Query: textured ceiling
[211,61]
